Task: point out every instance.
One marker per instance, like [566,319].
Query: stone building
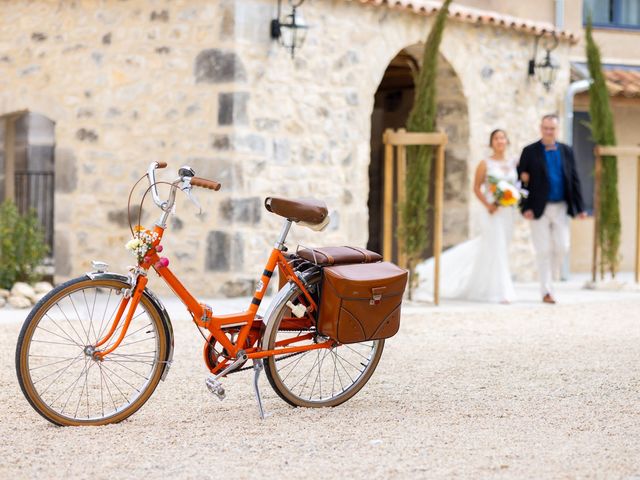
[92,91]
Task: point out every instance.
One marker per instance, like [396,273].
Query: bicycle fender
[164,315]
[280,301]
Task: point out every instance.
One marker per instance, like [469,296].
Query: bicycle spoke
[294,367]
[60,336]
[111,318]
[355,351]
[306,375]
[86,332]
[106,384]
[86,369]
[106,306]
[68,321]
[61,329]
[115,335]
[347,361]
[49,364]
[336,371]
[108,377]
[73,387]
[318,380]
[122,345]
[343,367]
[84,295]
[309,372]
[108,369]
[61,369]
[65,391]
[133,371]
[53,343]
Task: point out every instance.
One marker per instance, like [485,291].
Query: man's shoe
[548,299]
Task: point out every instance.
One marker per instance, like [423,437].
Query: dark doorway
[27,167]
[585,161]
[392,104]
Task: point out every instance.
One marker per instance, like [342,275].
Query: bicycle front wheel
[57,372]
[317,378]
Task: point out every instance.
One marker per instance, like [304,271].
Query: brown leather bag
[361,302]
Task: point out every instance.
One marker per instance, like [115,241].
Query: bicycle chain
[277,359]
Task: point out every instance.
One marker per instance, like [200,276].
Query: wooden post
[596,213]
[401,182]
[637,273]
[437,227]
[399,140]
[387,237]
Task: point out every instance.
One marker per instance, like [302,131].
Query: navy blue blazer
[533,162]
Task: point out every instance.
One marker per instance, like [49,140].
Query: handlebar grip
[161,164]
[204,183]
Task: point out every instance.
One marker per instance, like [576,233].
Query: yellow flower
[133,244]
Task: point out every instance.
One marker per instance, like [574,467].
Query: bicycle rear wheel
[55,368]
[317,378]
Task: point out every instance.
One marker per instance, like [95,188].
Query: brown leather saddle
[306,210]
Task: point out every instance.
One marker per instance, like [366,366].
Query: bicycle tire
[275,369]
[68,341]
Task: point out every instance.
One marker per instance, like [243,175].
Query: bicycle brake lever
[186,188]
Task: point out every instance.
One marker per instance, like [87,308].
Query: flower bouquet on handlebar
[95,348]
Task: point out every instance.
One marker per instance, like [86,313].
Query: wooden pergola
[617,151]
[395,155]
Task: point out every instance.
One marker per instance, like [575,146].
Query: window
[613,13]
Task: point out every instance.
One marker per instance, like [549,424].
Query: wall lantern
[545,71]
[289,29]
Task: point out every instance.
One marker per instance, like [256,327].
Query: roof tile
[474,15]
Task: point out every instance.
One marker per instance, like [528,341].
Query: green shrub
[22,246]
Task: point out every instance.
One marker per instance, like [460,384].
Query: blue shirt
[554,174]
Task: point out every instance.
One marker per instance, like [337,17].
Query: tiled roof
[623,82]
[476,16]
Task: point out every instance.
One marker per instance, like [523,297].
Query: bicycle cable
[129,202]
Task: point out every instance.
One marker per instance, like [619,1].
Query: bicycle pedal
[215,387]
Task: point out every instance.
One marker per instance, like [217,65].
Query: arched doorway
[393,102]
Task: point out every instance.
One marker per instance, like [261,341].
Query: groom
[548,170]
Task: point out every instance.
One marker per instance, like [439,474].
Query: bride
[479,268]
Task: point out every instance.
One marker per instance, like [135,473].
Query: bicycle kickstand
[257,370]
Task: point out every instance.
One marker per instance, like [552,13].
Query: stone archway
[392,103]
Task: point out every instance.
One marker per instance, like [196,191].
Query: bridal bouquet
[506,194]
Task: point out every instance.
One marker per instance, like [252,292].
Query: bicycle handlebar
[151,174]
[204,183]
[186,180]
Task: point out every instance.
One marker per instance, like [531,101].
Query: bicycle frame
[202,314]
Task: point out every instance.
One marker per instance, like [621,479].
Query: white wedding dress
[477,269]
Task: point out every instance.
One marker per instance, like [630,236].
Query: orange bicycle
[95,348]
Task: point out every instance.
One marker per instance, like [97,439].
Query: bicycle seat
[307,210]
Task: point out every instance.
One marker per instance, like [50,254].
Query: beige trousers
[551,236]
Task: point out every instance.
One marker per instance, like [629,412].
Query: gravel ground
[466,391]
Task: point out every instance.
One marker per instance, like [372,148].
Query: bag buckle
[376,295]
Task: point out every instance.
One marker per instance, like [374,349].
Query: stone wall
[200,82]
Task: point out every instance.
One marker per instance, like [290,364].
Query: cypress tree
[422,118]
[602,129]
